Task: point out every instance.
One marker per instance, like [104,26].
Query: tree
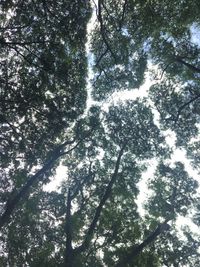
[40,99]
[93,220]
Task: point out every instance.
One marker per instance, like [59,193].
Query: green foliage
[94,218]
[174,192]
[34,237]
[43,75]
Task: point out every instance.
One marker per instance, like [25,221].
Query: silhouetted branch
[184,106]
[98,211]
[190,66]
[135,250]
[68,231]
[101,56]
[123,14]
[102,30]
[13,202]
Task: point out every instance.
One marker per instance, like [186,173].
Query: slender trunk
[12,203]
[69,256]
[102,202]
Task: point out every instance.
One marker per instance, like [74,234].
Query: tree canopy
[48,52]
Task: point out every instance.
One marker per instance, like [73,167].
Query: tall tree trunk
[102,202]
[24,191]
[69,255]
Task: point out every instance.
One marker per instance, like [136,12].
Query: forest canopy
[62,63]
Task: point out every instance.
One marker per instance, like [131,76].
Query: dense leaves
[43,83]
[95,218]
[43,75]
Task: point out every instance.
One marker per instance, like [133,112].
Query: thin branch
[94,248]
[26,59]
[184,106]
[101,56]
[3,42]
[102,30]
[104,6]
[123,14]
[50,12]
[14,27]
[66,143]
[96,8]
[165,68]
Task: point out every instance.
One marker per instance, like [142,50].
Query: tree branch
[123,14]
[190,66]
[185,105]
[68,231]
[13,202]
[135,250]
[3,42]
[101,56]
[102,30]
[54,156]
[165,68]
[98,211]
